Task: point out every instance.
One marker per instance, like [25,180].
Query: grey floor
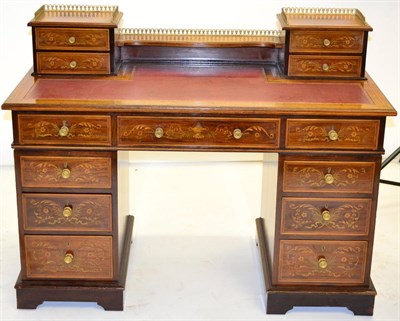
[194,255]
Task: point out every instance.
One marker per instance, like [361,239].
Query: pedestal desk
[301,92]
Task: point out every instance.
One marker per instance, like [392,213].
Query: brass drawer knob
[159,132]
[68,258]
[326,215]
[66,173]
[67,211]
[333,135]
[325,67]
[326,42]
[64,130]
[71,40]
[237,133]
[322,263]
[329,179]
[73,64]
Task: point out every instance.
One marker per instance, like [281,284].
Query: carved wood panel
[208,132]
[64,129]
[331,216]
[322,262]
[326,41]
[91,257]
[72,63]
[67,212]
[332,134]
[65,172]
[325,66]
[325,176]
[72,39]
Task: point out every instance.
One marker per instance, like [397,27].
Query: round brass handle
[329,178]
[326,215]
[64,130]
[327,42]
[67,211]
[237,133]
[325,67]
[71,40]
[66,173]
[68,258]
[333,135]
[159,132]
[73,64]
[322,263]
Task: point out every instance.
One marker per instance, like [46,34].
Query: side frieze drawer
[65,172]
[325,216]
[64,130]
[328,177]
[322,262]
[69,257]
[67,212]
[332,134]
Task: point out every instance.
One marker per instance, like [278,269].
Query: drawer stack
[325,206]
[67,199]
[74,47]
[324,43]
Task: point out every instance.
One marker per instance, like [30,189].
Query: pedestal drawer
[67,212]
[332,134]
[322,262]
[325,66]
[64,129]
[325,216]
[328,177]
[326,41]
[72,39]
[207,132]
[69,257]
[72,63]
[65,172]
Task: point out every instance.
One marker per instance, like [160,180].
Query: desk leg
[109,295]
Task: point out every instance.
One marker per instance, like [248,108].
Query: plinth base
[282,299]
[109,295]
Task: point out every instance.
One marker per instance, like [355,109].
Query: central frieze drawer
[326,41]
[72,39]
[208,132]
[67,212]
[65,172]
[332,134]
[64,130]
[328,177]
[67,257]
[73,63]
[325,216]
[322,262]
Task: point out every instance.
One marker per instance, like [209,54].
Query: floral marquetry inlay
[343,66]
[346,261]
[315,41]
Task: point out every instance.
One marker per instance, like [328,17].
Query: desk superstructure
[301,92]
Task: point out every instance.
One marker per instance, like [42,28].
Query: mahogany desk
[316,246]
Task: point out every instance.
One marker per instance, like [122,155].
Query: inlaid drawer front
[326,41]
[325,176]
[325,66]
[68,257]
[67,212]
[64,129]
[322,262]
[72,39]
[332,134]
[331,216]
[65,172]
[73,63]
[218,132]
